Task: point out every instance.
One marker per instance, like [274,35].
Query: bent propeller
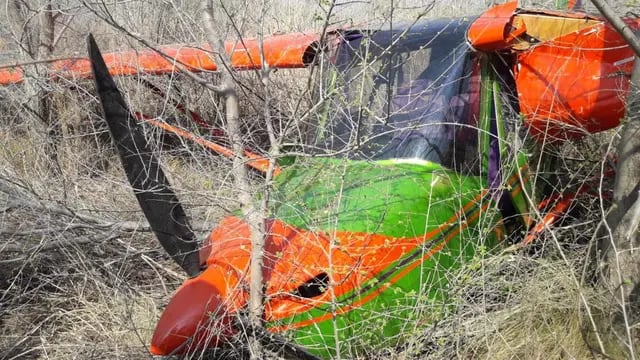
[157,200]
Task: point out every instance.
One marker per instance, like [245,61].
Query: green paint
[484,123]
[399,199]
[394,199]
[391,198]
[499,117]
[521,171]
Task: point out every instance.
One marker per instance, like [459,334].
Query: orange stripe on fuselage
[404,271]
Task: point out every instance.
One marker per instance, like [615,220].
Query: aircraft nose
[197,316]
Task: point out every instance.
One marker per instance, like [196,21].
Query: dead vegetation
[82,277]
[81,274]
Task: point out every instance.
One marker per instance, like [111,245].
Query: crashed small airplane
[419,168]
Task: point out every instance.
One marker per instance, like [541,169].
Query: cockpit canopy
[411,92]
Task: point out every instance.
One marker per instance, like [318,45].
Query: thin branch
[180,66]
[55,245]
[621,27]
[21,64]
[253,216]
[65,26]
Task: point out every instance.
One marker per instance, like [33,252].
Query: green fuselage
[399,199]
[428,116]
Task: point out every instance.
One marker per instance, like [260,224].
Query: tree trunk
[44,94]
[38,35]
[619,244]
[618,255]
[620,241]
[253,215]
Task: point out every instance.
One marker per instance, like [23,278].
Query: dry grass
[72,290]
[518,306]
[526,309]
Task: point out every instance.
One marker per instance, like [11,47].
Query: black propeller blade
[158,202]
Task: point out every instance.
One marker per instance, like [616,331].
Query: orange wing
[294,50]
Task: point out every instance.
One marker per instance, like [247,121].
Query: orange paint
[572,70]
[292,256]
[294,50]
[386,284]
[253,160]
[575,84]
[574,4]
[11,76]
[558,210]
[493,30]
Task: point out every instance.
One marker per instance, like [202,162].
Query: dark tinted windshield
[410,93]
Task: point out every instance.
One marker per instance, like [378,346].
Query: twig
[55,245]
[621,27]
[21,64]
[183,68]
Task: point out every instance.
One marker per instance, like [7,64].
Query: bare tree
[620,241]
[254,215]
[35,34]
